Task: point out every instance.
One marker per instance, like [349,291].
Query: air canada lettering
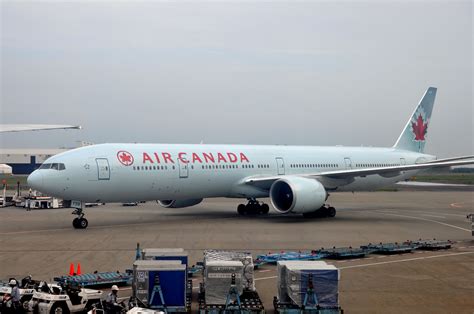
[185,157]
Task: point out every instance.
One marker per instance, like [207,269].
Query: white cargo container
[218,279]
[246,258]
[283,296]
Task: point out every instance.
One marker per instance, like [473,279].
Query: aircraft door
[280,166]
[403,162]
[348,163]
[183,169]
[103,169]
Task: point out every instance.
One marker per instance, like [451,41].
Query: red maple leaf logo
[125,158]
[419,128]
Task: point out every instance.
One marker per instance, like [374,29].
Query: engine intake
[297,195]
[179,203]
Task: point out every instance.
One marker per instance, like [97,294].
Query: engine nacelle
[297,195]
[179,203]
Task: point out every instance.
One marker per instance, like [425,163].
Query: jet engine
[297,195]
[179,203]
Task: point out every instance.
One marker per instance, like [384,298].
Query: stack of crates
[160,280]
[293,283]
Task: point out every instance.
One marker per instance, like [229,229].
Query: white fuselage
[133,172]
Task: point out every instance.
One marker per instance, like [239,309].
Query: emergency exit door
[103,169]
[280,166]
[183,169]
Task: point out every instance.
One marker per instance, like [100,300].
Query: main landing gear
[80,222]
[253,207]
[324,211]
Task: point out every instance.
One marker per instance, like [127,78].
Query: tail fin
[413,137]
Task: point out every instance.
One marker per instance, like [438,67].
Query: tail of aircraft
[413,137]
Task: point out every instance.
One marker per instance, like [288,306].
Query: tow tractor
[70,299]
[27,287]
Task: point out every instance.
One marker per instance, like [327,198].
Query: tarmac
[43,243]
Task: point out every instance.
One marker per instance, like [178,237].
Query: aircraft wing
[34,127]
[333,179]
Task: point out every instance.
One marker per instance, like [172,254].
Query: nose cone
[35,180]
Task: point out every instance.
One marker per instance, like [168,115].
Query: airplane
[297,179]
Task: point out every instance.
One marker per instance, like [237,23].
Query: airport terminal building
[26,160]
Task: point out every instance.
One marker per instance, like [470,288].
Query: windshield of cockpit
[53,166]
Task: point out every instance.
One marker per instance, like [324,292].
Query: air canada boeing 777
[298,179]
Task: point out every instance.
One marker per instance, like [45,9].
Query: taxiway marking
[435,216]
[426,219]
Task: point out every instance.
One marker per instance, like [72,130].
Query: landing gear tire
[75,223]
[83,223]
[80,222]
[253,207]
[265,209]
[331,212]
[241,209]
[322,212]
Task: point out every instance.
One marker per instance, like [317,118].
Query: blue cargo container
[166,254]
[173,287]
[150,277]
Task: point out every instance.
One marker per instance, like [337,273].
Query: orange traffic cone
[78,268]
[71,269]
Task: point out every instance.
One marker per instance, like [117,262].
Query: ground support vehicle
[72,299]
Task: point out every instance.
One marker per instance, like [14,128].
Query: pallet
[430,245]
[388,248]
[290,308]
[343,253]
[97,279]
[250,304]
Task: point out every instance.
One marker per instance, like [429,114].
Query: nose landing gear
[80,222]
[253,207]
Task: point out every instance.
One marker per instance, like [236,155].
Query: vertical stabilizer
[413,137]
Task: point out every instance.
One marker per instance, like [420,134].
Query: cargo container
[244,257]
[158,284]
[294,277]
[218,279]
[282,275]
[165,254]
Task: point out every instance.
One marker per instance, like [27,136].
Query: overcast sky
[311,73]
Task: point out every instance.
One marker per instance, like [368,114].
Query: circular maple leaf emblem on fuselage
[125,158]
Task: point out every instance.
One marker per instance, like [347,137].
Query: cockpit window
[54,166]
